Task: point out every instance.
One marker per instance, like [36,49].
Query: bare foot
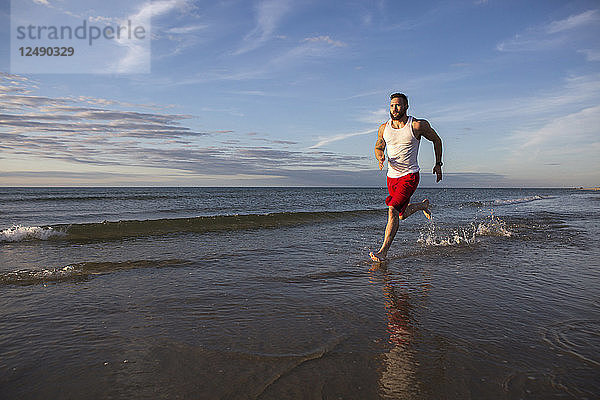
[377,257]
[426,209]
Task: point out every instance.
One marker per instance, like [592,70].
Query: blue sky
[290,93]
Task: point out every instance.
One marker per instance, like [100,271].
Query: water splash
[491,226]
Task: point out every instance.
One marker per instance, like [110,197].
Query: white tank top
[402,149]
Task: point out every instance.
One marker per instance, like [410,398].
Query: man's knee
[394,213]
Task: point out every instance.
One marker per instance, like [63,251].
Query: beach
[269,293]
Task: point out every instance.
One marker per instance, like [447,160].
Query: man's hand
[381,161]
[438,171]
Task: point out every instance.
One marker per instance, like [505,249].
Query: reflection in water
[399,373]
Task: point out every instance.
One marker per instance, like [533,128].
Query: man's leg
[414,207]
[394,218]
[390,233]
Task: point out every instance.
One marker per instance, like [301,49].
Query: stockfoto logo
[80,37]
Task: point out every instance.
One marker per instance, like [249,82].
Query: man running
[401,135]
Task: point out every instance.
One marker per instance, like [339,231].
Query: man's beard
[399,117]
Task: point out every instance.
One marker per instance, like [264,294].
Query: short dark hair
[401,95]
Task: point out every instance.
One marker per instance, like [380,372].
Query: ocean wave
[492,226]
[520,200]
[133,228]
[503,202]
[474,203]
[17,233]
[83,197]
[79,271]
[575,337]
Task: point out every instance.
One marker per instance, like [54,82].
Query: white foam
[32,276]
[53,272]
[17,233]
[519,200]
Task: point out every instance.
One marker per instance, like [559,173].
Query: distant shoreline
[590,188]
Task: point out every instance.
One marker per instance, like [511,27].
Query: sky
[291,93]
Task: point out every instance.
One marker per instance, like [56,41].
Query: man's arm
[422,128]
[380,147]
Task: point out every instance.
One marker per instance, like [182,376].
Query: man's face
[397,108]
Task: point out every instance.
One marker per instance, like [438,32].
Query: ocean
[269,293]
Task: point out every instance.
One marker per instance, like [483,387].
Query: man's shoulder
[418,124]
[382,127]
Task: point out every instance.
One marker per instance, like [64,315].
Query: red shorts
[400,190]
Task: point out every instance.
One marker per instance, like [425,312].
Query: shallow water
[268,293]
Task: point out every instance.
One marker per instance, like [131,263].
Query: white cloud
[574,21]
[575,92]
[562,151]
[137,56]
[365,94]
[374,117]
[187,29]
[327,140]
[544,37]
[591,54]
[531,41]
[268,15]
[325,39]
[304,51]
[565,132]
[294,57]
[48,130]
[104,20]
